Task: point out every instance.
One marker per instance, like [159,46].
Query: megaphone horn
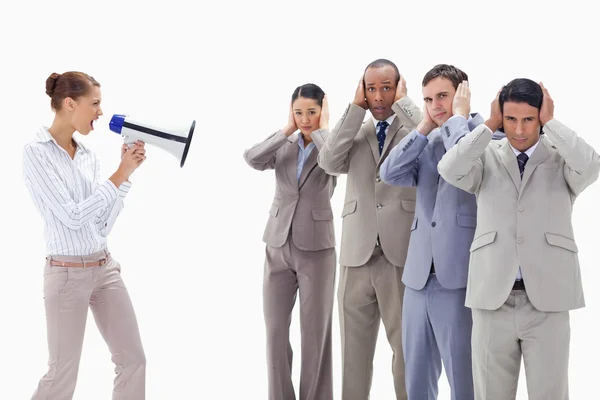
[175,140]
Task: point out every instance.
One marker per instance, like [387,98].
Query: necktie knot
[523,157]
[382,125]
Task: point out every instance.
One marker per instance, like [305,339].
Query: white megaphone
[175,140]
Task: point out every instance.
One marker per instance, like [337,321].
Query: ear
[69,104]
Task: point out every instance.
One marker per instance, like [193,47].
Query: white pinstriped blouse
[78,210]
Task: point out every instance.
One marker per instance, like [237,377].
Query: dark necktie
[522,159]
[382,125]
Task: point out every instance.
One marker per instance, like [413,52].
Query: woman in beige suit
[300,251]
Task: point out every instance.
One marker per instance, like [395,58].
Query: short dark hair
[382,62]
[521,90]
[71,84]
[309,91]
[450,72]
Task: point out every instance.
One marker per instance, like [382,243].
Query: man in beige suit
[524,272]
[300,251]
[376,224]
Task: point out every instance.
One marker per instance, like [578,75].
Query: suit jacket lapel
[537,157]
[438,147]
[292,165]
[507,155]
[309,165]
[372,139]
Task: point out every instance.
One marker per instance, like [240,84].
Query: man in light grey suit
[376,224]
[524,274]
[436,325]
[300,251]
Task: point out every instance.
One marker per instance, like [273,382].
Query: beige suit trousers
[366,295]
[500,337]
[68,293]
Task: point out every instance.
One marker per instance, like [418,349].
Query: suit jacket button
[433,224]
[520,207]
[296,196]
[519,240]
[378,179]
[379,206]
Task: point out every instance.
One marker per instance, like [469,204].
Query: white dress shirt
[389,121]
[529,152]
[78,210]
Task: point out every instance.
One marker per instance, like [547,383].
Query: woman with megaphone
[79,210]
[300,247]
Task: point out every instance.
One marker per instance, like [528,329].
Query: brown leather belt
[99,263]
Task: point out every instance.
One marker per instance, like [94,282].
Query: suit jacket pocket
[468,221]
[349,208]
[322,215]
[409,205]
[561,241]
[274,210]
[483,240]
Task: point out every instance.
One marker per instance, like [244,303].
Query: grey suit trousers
[288,271]
[68,293]
[517,328]
[366,295]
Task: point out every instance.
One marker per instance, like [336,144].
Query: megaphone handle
[127,141]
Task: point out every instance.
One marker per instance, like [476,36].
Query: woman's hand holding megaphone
[140,150]
[131,158]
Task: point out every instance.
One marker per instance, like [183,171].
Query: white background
[189,239]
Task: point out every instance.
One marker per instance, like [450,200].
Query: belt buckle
[101,262]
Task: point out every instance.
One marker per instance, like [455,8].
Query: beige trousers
[366,295]
[517,328]
[68,293]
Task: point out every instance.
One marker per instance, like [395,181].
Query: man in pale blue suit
[436,325]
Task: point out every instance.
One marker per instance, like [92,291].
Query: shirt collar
[389,121]
[301,142]
[44,136]
[529,151]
